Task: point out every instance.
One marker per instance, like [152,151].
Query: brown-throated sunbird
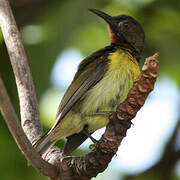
[101,83]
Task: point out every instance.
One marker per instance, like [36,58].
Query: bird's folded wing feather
[90,71]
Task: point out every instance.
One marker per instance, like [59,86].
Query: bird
[100,84]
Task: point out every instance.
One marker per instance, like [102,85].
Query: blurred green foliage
[64,24]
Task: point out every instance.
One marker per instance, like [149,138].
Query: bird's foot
[106,113]
[89,135]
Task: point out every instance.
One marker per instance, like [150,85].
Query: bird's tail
[44,143]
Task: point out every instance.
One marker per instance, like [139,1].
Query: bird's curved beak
[111,23]
[103,15]
[109,20]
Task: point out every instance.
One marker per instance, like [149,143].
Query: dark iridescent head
[124,30]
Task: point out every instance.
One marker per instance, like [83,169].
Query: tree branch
[27,96]
[23,143]
[84,168]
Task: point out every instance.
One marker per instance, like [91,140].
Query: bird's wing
[90,71]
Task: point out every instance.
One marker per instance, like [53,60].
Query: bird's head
[125,31]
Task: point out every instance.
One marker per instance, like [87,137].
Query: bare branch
[84,168]
[27,96]
[16,130]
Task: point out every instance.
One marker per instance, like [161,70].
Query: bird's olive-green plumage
[101,83]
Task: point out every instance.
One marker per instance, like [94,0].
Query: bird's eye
[126,25]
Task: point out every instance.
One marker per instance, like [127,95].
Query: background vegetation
[50,27]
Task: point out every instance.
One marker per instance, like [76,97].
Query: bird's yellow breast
[112,90]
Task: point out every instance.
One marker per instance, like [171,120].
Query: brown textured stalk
[84,168]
